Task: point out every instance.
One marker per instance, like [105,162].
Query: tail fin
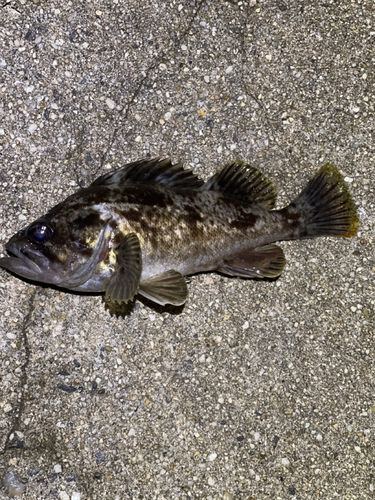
[326,206]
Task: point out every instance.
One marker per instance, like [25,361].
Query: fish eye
[39,233]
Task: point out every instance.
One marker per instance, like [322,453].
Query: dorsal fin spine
[153,171]
[243,182]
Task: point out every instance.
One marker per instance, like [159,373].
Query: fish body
[144,227]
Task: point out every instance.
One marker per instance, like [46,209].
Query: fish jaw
[36,268]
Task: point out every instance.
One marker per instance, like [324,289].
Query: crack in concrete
[198,6]
[267,120]
[23,379]
[126,114]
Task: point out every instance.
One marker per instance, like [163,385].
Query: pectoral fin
[124,283]
[166,288]
[262,262]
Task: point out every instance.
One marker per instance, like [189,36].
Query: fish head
[61,248]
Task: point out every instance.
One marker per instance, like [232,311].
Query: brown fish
[142,228]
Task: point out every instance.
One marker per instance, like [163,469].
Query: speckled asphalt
[255,389]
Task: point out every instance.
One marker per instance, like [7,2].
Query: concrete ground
[254,389]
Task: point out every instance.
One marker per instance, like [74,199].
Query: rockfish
[142,228]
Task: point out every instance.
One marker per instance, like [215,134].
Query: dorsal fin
[155,171]
[241,181]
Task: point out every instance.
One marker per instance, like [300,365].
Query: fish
[142,228]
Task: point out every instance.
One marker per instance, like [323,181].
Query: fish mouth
[20,263]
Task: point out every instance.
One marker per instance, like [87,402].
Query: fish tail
[325,207]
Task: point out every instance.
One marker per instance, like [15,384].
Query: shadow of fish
[142,228]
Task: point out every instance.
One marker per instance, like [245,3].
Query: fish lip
[17,254]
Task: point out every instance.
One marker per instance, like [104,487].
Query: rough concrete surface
[254,389]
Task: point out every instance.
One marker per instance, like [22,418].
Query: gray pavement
[255,389]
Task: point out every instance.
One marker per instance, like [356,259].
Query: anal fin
[166,288]
[262,262]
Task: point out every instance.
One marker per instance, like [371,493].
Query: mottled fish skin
[188,232]
[175,222]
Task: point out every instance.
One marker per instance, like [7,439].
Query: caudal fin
[325,206]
